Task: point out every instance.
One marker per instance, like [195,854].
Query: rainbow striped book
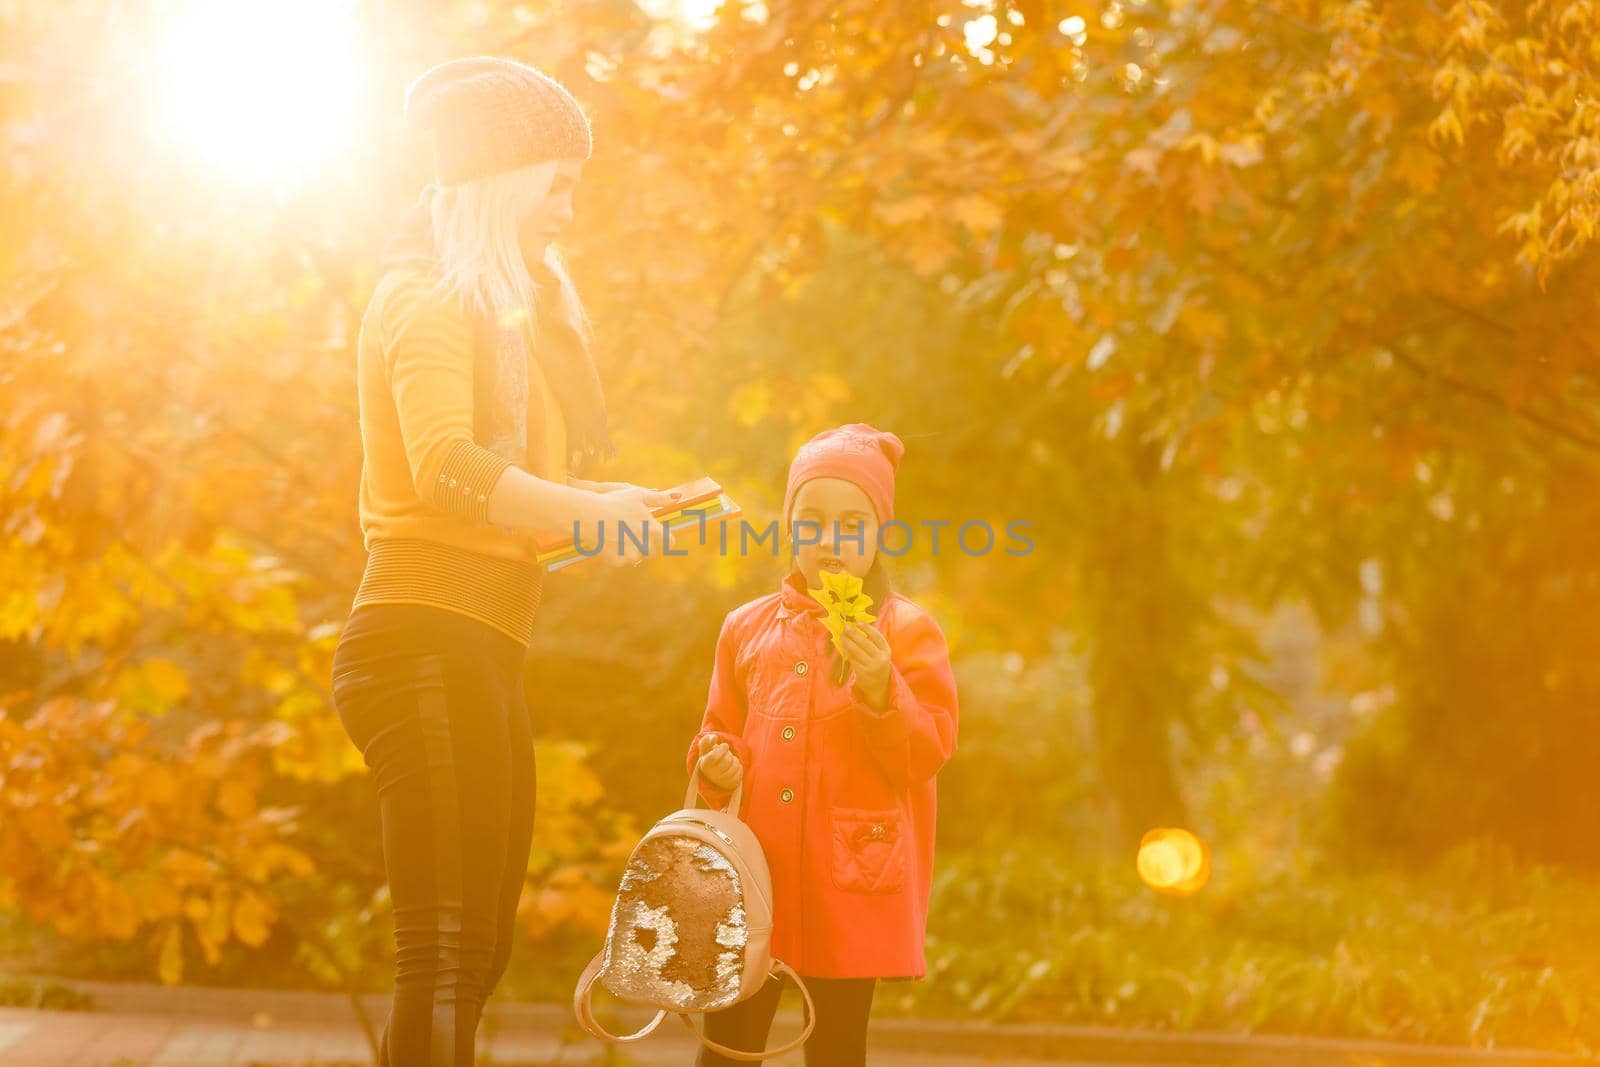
[703,501]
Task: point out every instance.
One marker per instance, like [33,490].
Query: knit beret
[490,114]
[857,452]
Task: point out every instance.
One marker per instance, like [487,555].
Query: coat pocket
[869,850]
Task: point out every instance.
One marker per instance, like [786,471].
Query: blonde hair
[480,254]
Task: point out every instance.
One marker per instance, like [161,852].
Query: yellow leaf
[1143,160]
[750,402]
[208,944]
[899,212]
[235,801]
[930,141]
[1382,106]
[153,686]
[977,213]
[1203,323]
[1205,143]
[1062,160]
[220,919]
[118,913]
[1242,153]
[158,786]
[1418,168]
[252,918]
[46,826]
[829,386]
[842,595]
[1447,126]
[276,855]
[928,250]
[1204,191]
[157,896]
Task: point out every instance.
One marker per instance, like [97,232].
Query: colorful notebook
[703,501]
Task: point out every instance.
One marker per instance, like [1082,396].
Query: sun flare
[260,91]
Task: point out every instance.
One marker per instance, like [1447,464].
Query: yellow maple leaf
[841,594]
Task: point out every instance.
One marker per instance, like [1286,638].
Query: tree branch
[1495,400]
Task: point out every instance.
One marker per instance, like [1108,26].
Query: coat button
[786,796]
[801,667]
[788,733]
[877,831]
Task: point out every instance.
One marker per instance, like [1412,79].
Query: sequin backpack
[691,928]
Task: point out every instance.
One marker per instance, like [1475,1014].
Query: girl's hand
[718,765]
[868,652]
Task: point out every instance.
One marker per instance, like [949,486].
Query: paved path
[30,1038]
[147,1025]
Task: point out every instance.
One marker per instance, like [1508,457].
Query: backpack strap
[691,799]
[779,970]
[583,1006]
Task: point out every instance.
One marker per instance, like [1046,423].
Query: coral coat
[841,797]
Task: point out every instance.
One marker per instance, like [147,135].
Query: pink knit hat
[856,452]
[490,114]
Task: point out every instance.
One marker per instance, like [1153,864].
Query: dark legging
[838,1040]
[434,701]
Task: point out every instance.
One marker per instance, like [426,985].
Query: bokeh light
[1174,861]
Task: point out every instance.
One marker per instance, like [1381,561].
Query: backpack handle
[691,799]
[583,1006]
[780,970]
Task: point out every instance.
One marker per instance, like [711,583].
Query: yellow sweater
[425,482]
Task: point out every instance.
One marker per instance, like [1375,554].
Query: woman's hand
[629,508]
[612,487]
[718,765]
[593,487]
[868,652]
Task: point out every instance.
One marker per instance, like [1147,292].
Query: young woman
[838,754]
[477,401]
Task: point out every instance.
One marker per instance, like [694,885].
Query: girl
[837,754]
[474,381]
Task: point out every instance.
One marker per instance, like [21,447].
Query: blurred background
[1274,320]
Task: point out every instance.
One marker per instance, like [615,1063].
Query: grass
[1465,954]
[23,993]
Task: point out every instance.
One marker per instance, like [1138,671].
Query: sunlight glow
[698,15]
[260,91]
[701,13]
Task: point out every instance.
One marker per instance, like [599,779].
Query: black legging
[839,1038]
[434,701]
